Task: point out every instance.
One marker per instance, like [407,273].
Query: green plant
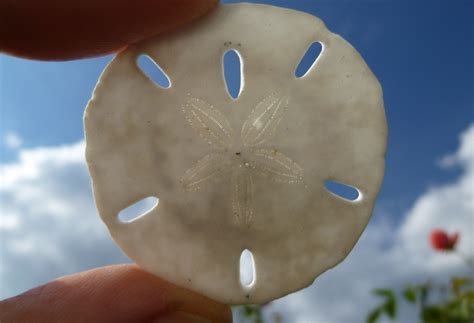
[250,313]
[456,304]
[388,307]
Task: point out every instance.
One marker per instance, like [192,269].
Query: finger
[120,293]
[61,30]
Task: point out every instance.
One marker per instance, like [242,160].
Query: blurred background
[422,52]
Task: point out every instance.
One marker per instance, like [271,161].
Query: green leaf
[384,292]
[410,295]
[248,310]
[457,283]
[469,295]
[432,314]
[374,316]
[390,305]
[390,308]
[424,291]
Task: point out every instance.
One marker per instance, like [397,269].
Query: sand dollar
[245,173]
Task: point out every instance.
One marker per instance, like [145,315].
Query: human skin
[65,30]
[115,294]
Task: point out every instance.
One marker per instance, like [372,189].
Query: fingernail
[181,317]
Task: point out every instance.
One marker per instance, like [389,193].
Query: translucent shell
[250,173]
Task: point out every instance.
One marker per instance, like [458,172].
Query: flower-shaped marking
[240,157]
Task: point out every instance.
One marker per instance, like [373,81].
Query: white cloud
[48,223]
[12,140]
[49,227]
[448,161]
[464,156]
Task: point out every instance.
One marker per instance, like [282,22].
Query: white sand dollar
[238,174]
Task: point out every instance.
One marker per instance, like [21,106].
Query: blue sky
[421,52]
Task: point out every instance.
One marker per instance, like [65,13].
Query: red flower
[441,241]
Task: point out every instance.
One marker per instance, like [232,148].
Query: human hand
[115,294]
[62,30]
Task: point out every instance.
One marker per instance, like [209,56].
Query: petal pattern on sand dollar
[209,123]
[275,166]
[242,195]
[263,121]
[211,167]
